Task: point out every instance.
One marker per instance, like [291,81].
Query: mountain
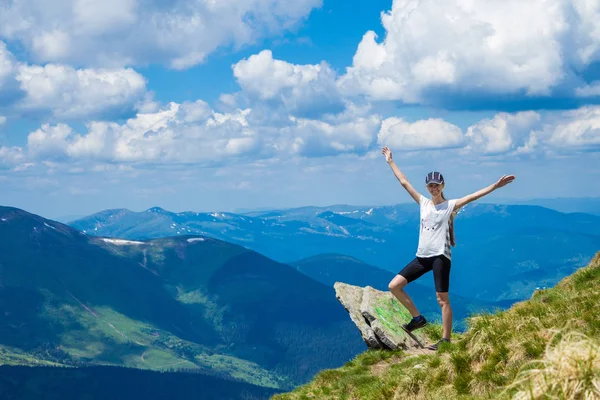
[65,219]
[588,205]
[496,244]
[506,252]
[186,302]
[545,347]
[331,268]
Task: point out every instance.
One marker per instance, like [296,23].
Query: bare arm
[505,180]
[400,176]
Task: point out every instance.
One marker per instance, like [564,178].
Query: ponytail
[451,225]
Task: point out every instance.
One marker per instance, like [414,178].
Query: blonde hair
[451,225]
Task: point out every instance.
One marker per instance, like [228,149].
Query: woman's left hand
[505,180]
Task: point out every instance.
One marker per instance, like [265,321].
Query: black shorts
[419,266]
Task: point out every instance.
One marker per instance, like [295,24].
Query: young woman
[435,240]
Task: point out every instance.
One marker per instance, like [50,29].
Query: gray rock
[378,316]
[351,297]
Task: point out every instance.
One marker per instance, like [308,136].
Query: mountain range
[588,205]
[503,252]
[182,303]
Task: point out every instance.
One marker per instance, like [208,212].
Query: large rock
[378,316]
[351,298]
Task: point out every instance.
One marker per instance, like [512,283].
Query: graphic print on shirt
[431,222]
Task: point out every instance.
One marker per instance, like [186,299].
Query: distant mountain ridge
[187,302]
[496,244]
[588,205]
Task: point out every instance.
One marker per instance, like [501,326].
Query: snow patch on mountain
[121,242]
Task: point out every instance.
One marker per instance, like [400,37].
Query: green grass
[483,362]
[13,356]
[240,369]
[111,338]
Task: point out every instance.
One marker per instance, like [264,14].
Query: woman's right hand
[387,153]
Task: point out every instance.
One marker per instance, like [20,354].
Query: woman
[435,240]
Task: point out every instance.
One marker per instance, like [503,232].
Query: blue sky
[204,106]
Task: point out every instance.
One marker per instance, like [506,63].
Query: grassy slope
[479,364]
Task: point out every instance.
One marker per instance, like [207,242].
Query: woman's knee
[443,299]
[397,283]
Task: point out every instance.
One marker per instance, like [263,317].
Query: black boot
[415,323]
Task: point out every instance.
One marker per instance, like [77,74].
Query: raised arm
[400,176]
[505,180]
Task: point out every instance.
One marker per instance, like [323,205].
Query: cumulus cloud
[114,33]
[502,133]
[551,133]
[505,134]
[588,90]
[433,133]
[49,141]
[11,156]
[574,130]
[66,92]
[305,90]
[343,134]
[194,133]
[177,134]
[7,64]
[70,93]
[475,47]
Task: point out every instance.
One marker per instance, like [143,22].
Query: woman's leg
[441,276]
[411,272]
[444,302]
[396,286]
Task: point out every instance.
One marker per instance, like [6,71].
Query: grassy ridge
[489,360]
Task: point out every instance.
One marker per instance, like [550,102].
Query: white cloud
[475,46]
[67,92]
[178,134]
[194,133]
[194,112]
[551,133]
[7,65]
[301,89]
[2,120]
[49,141]
[590,90]
[502,133]
[94,17]
[427,134]
[575,130]
[11,156]
[228,100]
[114,33]
[266,77]
[315,138]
